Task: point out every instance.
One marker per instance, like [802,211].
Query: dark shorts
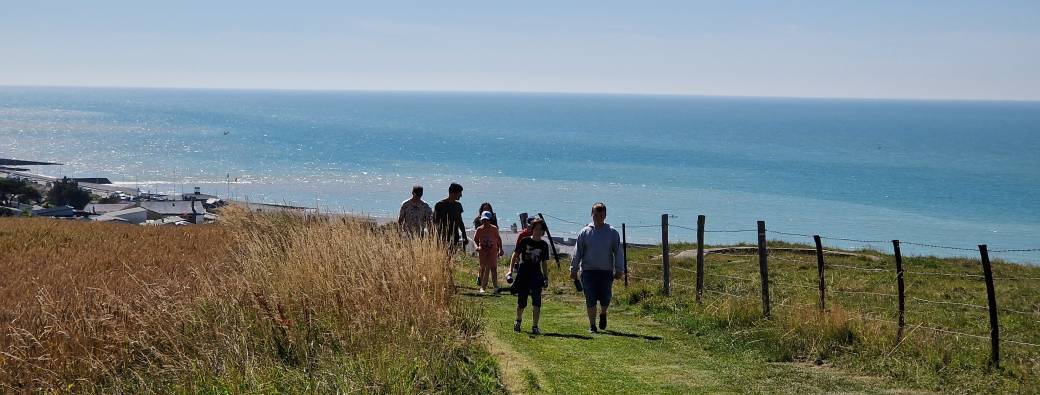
[597,286]
[535,293]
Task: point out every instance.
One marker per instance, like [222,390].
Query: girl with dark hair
[486,206]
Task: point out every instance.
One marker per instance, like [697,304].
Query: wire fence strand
[641,278]
[564,220]
[728,294]
[731,277]
[706,253]
[944,274]
[854,292]
[788,233]
[855,240]
[937,246]
[1034,314]
[1017,278]
[827,237]
[940,273]
[784,233]
[976,306]
[643,247]
[641,226]
[1020,343]
[782,259]
[711,230]
[783,256]
[862,269]
[799,305]
[682,227]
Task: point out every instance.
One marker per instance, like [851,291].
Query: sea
[943,175]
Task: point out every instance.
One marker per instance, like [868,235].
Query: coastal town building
[57,212]
[101,208]
[163,209]
[171,220]
[133,206]
[133,215]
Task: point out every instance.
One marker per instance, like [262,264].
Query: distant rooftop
[99,208]
[171,207]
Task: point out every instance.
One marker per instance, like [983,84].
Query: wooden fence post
[624,250]
[901,288]
[820,273]
[763,267]
[667,272]
[991,295]
[700,257]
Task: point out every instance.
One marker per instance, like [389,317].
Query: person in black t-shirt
[529,274]
[447,215]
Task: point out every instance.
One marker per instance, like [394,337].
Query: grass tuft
[857,331]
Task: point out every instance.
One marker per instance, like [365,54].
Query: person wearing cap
[600,260]
[489,249]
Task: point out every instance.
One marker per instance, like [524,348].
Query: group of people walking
[597,260]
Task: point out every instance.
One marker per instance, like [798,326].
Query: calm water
[952,173]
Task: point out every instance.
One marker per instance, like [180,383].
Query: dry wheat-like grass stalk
[88,306]
[79,301]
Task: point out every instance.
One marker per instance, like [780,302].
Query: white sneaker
[482,290]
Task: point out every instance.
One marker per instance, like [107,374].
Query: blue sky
[891,49]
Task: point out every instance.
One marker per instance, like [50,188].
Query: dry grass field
[257,303]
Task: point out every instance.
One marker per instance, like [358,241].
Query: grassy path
[635,355]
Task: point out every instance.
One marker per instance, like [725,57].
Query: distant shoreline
[531,93]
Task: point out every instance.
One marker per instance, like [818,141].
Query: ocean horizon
[939,172]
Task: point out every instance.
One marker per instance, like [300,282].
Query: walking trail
[636,355]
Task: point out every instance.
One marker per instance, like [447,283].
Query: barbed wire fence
[893,273]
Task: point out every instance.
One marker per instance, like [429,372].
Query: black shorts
[597,286]
[536,296]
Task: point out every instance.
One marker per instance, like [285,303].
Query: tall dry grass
[83,302]
[257,303]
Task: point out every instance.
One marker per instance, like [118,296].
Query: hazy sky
[897,49]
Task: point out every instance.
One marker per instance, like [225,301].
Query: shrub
[14,190]
[67,192]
